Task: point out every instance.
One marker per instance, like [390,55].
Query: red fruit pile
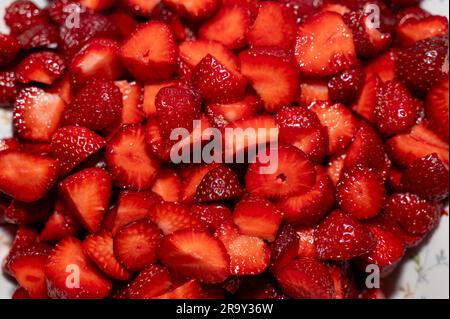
[362,119]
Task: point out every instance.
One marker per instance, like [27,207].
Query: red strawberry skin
[21,15]
[346,86]
[219,184]
[9,47]
[9,87]
[437,108]
[43,67]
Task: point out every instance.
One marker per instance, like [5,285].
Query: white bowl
[423,274]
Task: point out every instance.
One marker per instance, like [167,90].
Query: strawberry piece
[97,5]
[123,22]
[273,75]
[415,215]
[96,106]
[335,7]
[361,192]
[436,108]
[211,215]
[388,252]
[135,244]
[23,238]
[257,217]
[223,114]
[395,111]
[9,144]
[412,30]
[319,50]
[383,65]
[421,141]
[37,114]
[71,145]
[344,283]
[177,107]
[259,288]
[303,9]
[217,83]
[99,248]
[312,90]
[306,278]
[157,145]
[9,47]
[191,179]
[150,92]
[97,58]
[140,7]
[128,160]
[170,217]
[293,174]
[423,64]
[86,194]
[70,273]
[132,206]
[25,213]
[306,245]
[238,20]
[132,100]
[340,123]
[195,254]
[39,36]
[27,267]
[41,173]
[335,167]
[9,87]
[168,185]
[59,10]
[59,225]
[150,53]
[340,237]
[285,247]
[220,183]
[195,10]
[43,67]
[310,207]
[21,15]
[21,293]
[346,86]
[275,25]
[189,290]
[248,255]
[150,283]
[368,99]
[63,88]
[91,25]
[427,177]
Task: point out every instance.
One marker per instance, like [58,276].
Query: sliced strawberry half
[71,274]
[132,100]
[190,290]
[285,247]
[150,53]
[9,47]
[9,144]
[368,99]
[71,145]
[124,22]
[222,114]
[191,179]
[344,281]
[168,185]
[409,31]
[21,293]
[99,247]
[135,244]
[195,254]
[274,76]
[42,67]
[256,216]
[131,166]
[212,215]
[86,194]
[346,86]
[340,237]
[59,225]
[150,283]
[21,15]
[196,10]
[313,90]
[97,5]
[220,183]
[320,49]
[37,114]
[157,144]
[436,108]
[41,172]
[293,174]
[306,245]
[150,92]
[26,213]
[383,65]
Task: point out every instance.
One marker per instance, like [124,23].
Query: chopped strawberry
[71,145]
[414,214]
[222,114]
[42,67]
[248,255]
[41,173]
[196,10]
[140,7]
[39,36]
[335,167]
[150,92]
[21,293]
[150,53]
[306,278]
[320,50]
[361,192]
[59,10]
[236,18]
[70,273]
[421,141]
[412,30]
[97,58]
[150,283]
[97,5]
[217,83]
[383,65]
[195,254]
[303,9]
[275,25]
[335,7]
[256,288]
[423,64]
[273,75]
[59,225]
[346,86]
[157,145]
[341,124]
[340,237]
[313,90]
[306,245]
[436,108]
[124,22]
[23,238]
[135,244]
[427,177]
[344,283]
[293,174]
[21,15]
[190,290]
[310,207]
[220,183]
[191,179]
[37,114]
[25,213]
[86,194]
[9,144]
[167,184]
[131,166]
[256,216]
[212,215]
[285,247]
[9,87]
[9,47]
[368,99]
[63,88]
[170,217]
[132,100]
